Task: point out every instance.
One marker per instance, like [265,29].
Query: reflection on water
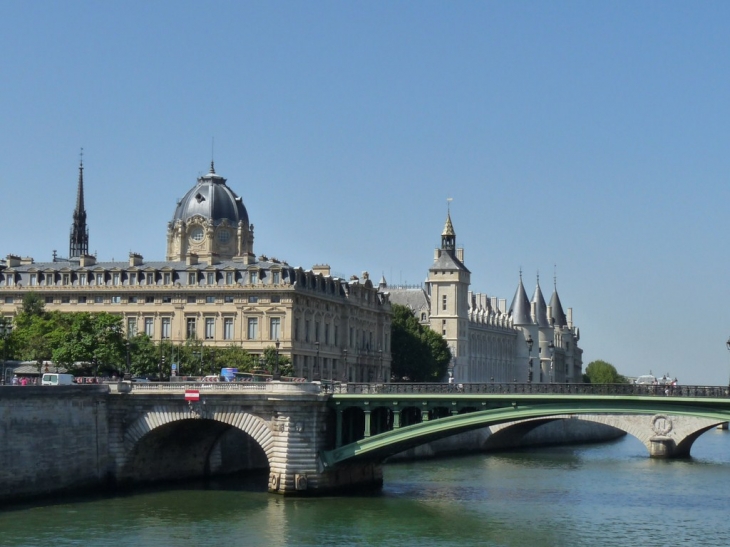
[607,494]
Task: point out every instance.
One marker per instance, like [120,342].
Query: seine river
[607,494]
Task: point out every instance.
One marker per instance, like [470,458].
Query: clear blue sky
[587,138]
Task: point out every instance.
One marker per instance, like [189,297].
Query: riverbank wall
[52,444]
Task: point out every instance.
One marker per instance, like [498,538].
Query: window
[167,299]
[65,300]
[33,279]
[253,328]
[228,299]
[191,300]
[316,331]
[296,329]
[149,299]
[210,299]
[275,277]
[8,299]
[100,279]
[306,330]
[167,278]
[190,324]
[65,280]
[82,300]
[228,328]
[327,334]
[210,278]
[253,277]
[133,278]
[132,299]
[98,299]
[275,328]
[131,326]
[115,278]
[149,326]
[192,278]
[116,299]
[229,278]
[82,278]
[209,328]
[49,300]
[443,327]
[253,299]
[443,302]
[165,328]
[337,335]
[275,299]
[49,279]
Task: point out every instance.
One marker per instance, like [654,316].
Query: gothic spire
[448,237]
[79,240]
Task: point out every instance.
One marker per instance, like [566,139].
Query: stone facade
[213,288]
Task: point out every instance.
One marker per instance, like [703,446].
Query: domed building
[213,289]
[210,220]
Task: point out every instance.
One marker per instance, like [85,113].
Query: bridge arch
[193,442]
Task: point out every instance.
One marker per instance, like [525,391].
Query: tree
[601,372]
[419,354]
[32,304]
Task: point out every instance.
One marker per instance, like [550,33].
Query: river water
[603,494]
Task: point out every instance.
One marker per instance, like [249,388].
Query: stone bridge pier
[160,436]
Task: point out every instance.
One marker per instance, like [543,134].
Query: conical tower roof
[541,317]
[556,309]
[519,310]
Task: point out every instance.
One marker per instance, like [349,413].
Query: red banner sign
[192,395]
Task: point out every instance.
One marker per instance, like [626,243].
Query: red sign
[192,395]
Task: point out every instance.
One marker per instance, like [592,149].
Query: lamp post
[529,343]
[380,367]
[276,361]
[344,363]
[316,361]
[6,329]
[127,347]
[727,344]
[551,349]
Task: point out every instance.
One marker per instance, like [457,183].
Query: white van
[57,380]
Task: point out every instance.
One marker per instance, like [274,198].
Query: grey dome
[213,200]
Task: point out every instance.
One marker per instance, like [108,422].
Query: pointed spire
[519,310]
[556,307]
[448,236]
[540,307]
[79,240]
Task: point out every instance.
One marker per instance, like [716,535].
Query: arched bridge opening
[184,447]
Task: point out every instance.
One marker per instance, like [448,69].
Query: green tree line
[97,345]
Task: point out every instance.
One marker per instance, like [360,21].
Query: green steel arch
[501,409]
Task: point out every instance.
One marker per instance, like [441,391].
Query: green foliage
[32,304]
[419,354]
[601,372]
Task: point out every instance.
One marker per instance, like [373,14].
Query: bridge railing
[537,389]
[218,387]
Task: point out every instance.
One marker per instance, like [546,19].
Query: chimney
[135,259]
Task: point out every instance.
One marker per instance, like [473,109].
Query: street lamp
[529,343]
[551,349]
[344,363]
[6,329]
[316,362]
[728,347]
[276,361]
[127,346]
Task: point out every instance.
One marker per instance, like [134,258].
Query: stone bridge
[308,438]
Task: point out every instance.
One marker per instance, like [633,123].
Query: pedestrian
[15,380]
[24,381]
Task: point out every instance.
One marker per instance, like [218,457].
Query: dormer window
[253,277]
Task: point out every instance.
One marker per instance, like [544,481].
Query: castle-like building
[213,288]
[527,342]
